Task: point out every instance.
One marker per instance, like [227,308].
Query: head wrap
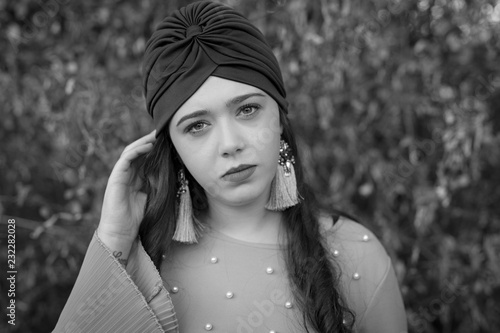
[200,40]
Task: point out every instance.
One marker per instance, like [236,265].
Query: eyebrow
[192,115]
[232,101]
[241,98]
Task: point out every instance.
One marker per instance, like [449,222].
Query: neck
[250,222]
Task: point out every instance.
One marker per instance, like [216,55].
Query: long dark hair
[314,277]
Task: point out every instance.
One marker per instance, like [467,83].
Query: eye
[196,127]
[248,110]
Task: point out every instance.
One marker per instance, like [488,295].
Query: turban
[198,41]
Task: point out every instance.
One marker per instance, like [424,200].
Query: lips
[238,169]
[239,174]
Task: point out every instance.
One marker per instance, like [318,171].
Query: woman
[219,232]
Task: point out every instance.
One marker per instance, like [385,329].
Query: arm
[368,278]
[385,312]
[109,298]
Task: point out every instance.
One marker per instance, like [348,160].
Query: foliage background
[394,102]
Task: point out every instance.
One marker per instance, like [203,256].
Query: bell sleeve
[107,297]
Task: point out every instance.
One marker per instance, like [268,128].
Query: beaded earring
[188,228]
[284,186]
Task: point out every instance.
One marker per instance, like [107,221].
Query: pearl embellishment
[269,271]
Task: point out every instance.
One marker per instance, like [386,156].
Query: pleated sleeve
[107,297]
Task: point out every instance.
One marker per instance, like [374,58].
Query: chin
[242,195]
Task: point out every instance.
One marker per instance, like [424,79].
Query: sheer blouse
[226,285]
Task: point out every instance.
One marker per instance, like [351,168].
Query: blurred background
[394,103]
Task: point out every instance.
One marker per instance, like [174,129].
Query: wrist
[122,235]
[119,245]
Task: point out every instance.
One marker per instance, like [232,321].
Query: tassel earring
[188,228]
[284,186]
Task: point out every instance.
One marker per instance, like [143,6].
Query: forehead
[215,91]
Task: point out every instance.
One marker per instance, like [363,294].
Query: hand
[123,206]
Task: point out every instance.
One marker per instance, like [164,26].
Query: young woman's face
[227,135]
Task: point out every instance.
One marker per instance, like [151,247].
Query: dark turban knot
[200,40]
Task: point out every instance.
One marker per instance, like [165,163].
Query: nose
[231,140]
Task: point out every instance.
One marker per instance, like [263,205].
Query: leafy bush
[394,102]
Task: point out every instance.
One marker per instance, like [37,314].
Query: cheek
[196,161]
[200,164]
[192,161]
[264,140]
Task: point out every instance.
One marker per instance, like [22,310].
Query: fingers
[131,153]
[135,149]
[149,138]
